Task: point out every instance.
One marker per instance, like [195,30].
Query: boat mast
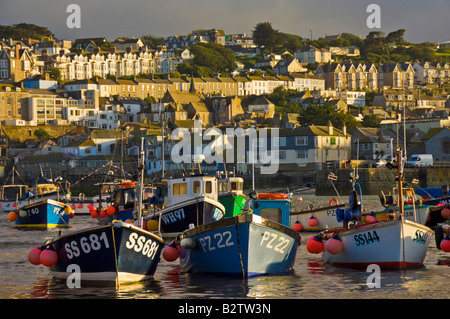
[140,188]
[400,183]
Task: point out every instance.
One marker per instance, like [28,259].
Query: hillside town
[73,108]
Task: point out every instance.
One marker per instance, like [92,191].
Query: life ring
[272,196]
[333,202]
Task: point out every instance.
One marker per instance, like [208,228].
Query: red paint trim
[394,265]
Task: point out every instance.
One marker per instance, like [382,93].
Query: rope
[239,248]
[115,257]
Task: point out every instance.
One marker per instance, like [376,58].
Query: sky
[423,20]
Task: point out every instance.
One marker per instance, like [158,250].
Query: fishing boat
[118,252]
[396,243]
[43,214]
[231,195]
[27,195]
[319,218]
[255,243]
[413,209]
[188,200]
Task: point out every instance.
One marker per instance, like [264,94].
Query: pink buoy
[312,221]
[445,213]
[48,257]
[334,246]
[299,199]
[297,226]
[79,205]
[34,256]
[89,205]
[445,244]
[315,245]
[170,253]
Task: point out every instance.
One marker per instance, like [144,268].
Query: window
[196,187]
[208,187]
[180,189]
[272,214]
[302,154]
[282,155]
[301,140]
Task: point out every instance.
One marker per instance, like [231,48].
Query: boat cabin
[231,184]
[188,187]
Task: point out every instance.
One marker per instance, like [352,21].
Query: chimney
[16,48]
[330,128]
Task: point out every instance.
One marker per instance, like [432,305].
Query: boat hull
[244,245]
[326,218]
[117,252]
[393,244]
[44,214]
[418,214]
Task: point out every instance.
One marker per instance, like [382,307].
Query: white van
[421,160]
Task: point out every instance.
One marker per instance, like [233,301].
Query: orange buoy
[111,210]
[12,216]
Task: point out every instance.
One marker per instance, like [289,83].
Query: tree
[371,120]
[55,74]
[42,134]
[265,35]
[323,114]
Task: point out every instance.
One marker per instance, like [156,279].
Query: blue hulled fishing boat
[43,214]
[254,243]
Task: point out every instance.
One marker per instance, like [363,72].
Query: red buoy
[48,257]
[312,221]
[111,210]
[170,252]
[445,213]
[370,219]
[297,226]
[34,256]
[445,244]
[315,245]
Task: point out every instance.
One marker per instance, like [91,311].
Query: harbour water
[310,278]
